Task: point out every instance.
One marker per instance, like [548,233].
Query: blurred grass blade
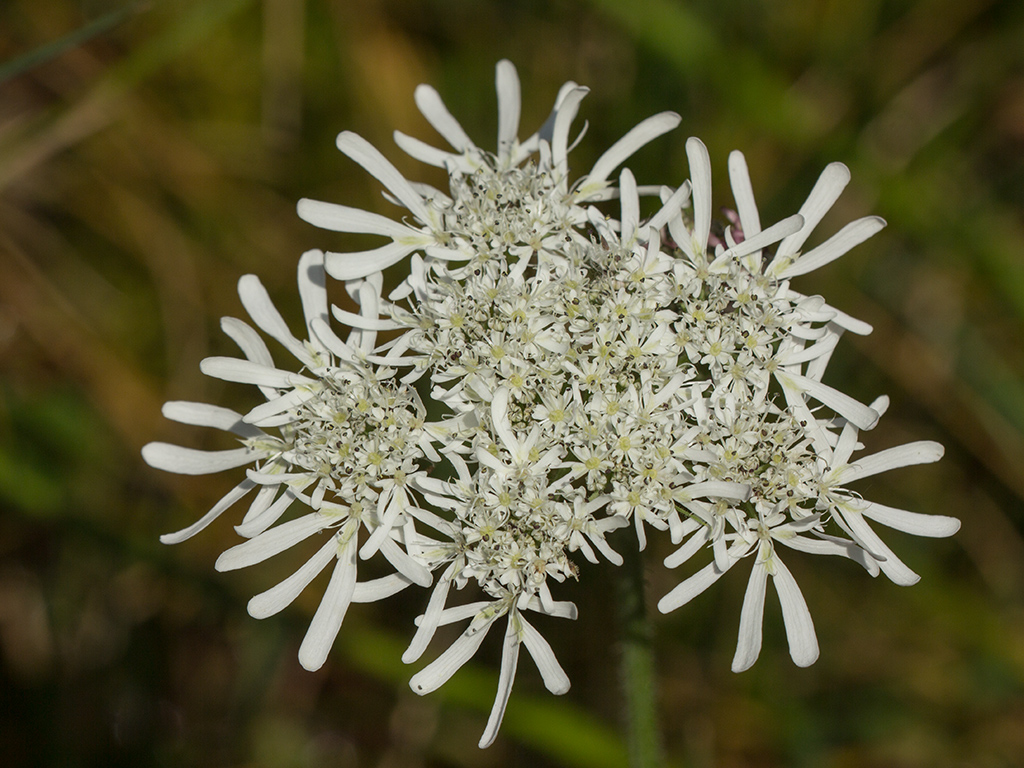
[83,34]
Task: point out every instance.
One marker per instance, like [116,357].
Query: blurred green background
[151,153]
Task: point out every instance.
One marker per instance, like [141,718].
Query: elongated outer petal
[630,206]
[934,526]
[692,546]
[748,647]
[853,234]
[378,166]
[272,542]
[342,218]
[205,415]
[756,242]
[920,452]
[857,413]
[690,588]
[826,191]
[432,106]
[700,176]
[259,523]
[378,589]
[192,461]
[457,614]
[431,616]
[279,597]
[420,150]
[670,207]
[246,372]
[507,675]
[225,502]
[897,571]
[509,104]
[331,612]
[564,114]
[312,289]
[803,643]
[440,671]
[359,264]
[265,413]
[353,320]
[252,346]
[641,134]
[261,309]
[743,192]
[408,566]
[555,679]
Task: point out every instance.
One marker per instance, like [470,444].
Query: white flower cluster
[593,373]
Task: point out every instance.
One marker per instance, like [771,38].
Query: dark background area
[156,155]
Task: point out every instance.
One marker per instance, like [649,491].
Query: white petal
[920,452]
[259,523]
[458,613]
[621,150]
[803,643]
[342,218]
[692,546]
[897,571]
[773,234]
[851,324]
[261,309]
[225,502]
[192,461]
[432,106]
[422,151]
[359,264]
[272,542]
[247,372]
[439,671]
[507,675]
[312,288]
[743,192]
[353,320]
[279,597]
[331,612]
[377,589]
[205,415]
[368,156]
[509,104]
[605,548]
[408,566]
[431,617]
[826,191]
[565,113]
[252,346]
[561,609]
[555,679]
[748,647]
[851,235]
[700,176]
[690,588]
[851,410]
[265,412]
[935,526]
[718,489]
[630,206]
[266,494]
[670,206]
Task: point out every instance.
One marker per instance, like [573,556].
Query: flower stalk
[636,665]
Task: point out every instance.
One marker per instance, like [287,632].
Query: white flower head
[594,371]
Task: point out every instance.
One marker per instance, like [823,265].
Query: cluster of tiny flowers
[594,370]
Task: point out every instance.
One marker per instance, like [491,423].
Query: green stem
[637,665]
